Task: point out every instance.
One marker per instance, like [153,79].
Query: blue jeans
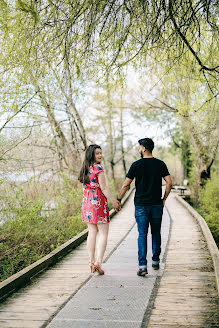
[144,215]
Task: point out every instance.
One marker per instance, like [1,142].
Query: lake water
[23,176]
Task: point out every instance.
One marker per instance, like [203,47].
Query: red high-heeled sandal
[92,268]
[98,269]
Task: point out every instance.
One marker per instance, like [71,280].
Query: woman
[94,205]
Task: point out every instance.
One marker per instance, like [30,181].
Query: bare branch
[18,111]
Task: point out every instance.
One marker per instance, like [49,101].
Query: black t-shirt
[148,173]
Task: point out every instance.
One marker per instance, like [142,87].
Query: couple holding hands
[148,173]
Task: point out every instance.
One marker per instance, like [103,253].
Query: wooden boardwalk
[33,305]
[185,297]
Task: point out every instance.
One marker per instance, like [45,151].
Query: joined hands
[117,205]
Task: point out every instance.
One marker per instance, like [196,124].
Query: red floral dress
[94,205]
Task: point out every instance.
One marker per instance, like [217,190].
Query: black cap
[147,143]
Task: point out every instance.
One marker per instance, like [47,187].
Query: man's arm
[168,187]
[125,187]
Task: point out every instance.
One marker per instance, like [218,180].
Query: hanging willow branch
[114,32]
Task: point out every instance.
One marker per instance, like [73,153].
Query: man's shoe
[155,266]
[142,272]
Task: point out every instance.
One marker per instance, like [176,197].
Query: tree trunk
[69,97]
[111,145]
[122,139]
[62,145]
[204,158]
[71,108]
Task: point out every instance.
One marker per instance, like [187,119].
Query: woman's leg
[91,240]
[103,229]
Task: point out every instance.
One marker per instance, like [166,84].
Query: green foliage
[172,161]
[28,9]
[29,233]
[209,205]
[113,190]
[69,197]
[121,31]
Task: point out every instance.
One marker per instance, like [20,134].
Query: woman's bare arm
[105,189]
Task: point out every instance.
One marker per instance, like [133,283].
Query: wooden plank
[190,274]
[189,284]
[64,280]
[182,297]
[39,303]
[186,307]
[21,324]
[24,309]
[170,325]
[52,288]
[182,312]
[199,293]
[185,320]
[28,315]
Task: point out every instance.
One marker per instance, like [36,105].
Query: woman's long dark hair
[88,160]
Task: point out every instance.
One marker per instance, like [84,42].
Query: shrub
[29,234]
[69,197]
[209,205]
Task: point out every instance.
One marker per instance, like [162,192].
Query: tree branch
[203,67]
[18,111]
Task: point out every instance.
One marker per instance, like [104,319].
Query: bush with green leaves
[29,233]
[209,205]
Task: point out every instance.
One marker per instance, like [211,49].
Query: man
[148,173]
